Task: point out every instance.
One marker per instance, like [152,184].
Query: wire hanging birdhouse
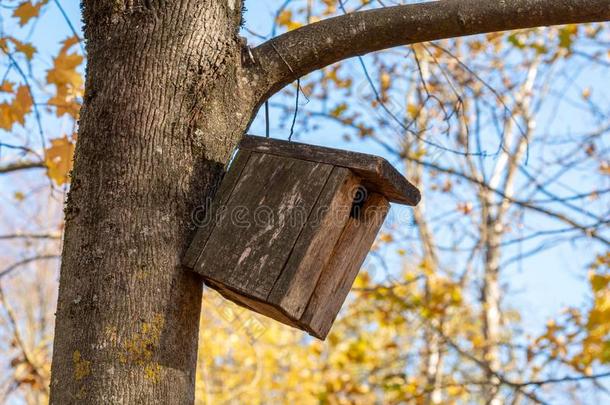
[290,227]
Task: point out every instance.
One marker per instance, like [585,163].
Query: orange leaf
[58,158]
[25,48]
[26,11]
[6,87]
[386,237]
[64,70]
[67,80]
[70,42]
[15,112]
[22,104]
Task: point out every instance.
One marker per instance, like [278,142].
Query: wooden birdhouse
[290,226]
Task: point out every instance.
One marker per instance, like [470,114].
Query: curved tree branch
[16,166]
[283,59]
[25,261]
[31,236]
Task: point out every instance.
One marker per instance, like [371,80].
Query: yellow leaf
[285,19]
[456,295]
[58,158]
[477,341]
[426,266]
[418,154]
[26,11]
[338,110]
[455,390]
[599,282]
[386,80]
[412,110]
[566,35]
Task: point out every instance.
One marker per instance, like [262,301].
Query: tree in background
[470,120]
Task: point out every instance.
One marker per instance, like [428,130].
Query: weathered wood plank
[253,304]
[266,212]
[348,255]
[204,231]
[377,173]
[292,290]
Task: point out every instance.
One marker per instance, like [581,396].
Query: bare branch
[283,59]
[11,236]
[13,167]
[25,261]
[587,230]
[568,378]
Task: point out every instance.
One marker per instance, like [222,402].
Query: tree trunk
[161,114]
[491,307]
[493,220]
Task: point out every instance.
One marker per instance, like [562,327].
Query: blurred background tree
[493,290]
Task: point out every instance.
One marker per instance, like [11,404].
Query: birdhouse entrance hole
[360,197]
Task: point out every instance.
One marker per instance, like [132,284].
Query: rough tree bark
[162,112]
[169,92]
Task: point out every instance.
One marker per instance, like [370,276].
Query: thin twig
[23,262]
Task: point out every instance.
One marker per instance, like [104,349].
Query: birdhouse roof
[377,173]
